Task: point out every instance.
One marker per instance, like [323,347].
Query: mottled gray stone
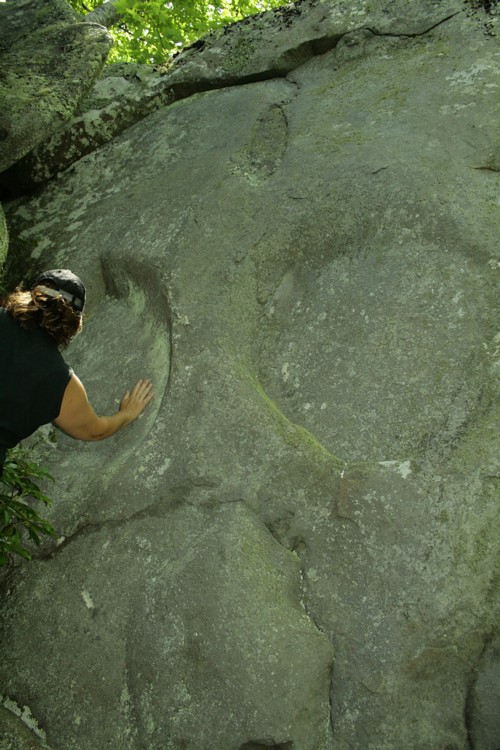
[122,96]
[206,645]
[48,59]
[307,267]
[18,731]
[268,45]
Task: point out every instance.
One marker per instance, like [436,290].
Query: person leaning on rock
[36,384]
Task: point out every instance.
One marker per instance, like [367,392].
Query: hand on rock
[134,403]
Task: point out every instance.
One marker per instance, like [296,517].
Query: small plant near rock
[18,493]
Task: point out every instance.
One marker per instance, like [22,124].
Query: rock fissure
[77,140]
[470,714]
[159,509]
[414,34]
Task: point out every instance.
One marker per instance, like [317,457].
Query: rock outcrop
[49,59]
[301,251]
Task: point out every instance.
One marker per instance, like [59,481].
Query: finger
[147,397]
[137,387]
[143,387]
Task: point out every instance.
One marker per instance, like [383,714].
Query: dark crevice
[331,709]
[488,5]
[162,508]
[488,169]
[298,546]
[279,529]
[295,545]
[291,60]
[176,496]
[469,696]
[414,34]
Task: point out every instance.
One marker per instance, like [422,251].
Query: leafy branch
[18,493]
[151,31]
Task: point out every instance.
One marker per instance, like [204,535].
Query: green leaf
[18,493]
[150,31]
[33,535]
[18,549]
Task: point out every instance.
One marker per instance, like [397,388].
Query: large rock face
[306,265]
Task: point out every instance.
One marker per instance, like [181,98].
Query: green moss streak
[294,435]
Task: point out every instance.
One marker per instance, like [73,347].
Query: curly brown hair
[36,309]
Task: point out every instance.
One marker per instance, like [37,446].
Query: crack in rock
[192,72]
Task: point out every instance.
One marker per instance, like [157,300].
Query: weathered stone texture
[307,267]
[18,731]
[189,655]
[122,96]
[48,61]
[269,45]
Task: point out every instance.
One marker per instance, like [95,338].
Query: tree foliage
[151,31]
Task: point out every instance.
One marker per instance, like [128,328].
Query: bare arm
[78,419]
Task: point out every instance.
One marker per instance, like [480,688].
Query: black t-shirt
[33,378]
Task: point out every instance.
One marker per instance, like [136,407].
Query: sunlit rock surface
[306,264]
[48,61]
